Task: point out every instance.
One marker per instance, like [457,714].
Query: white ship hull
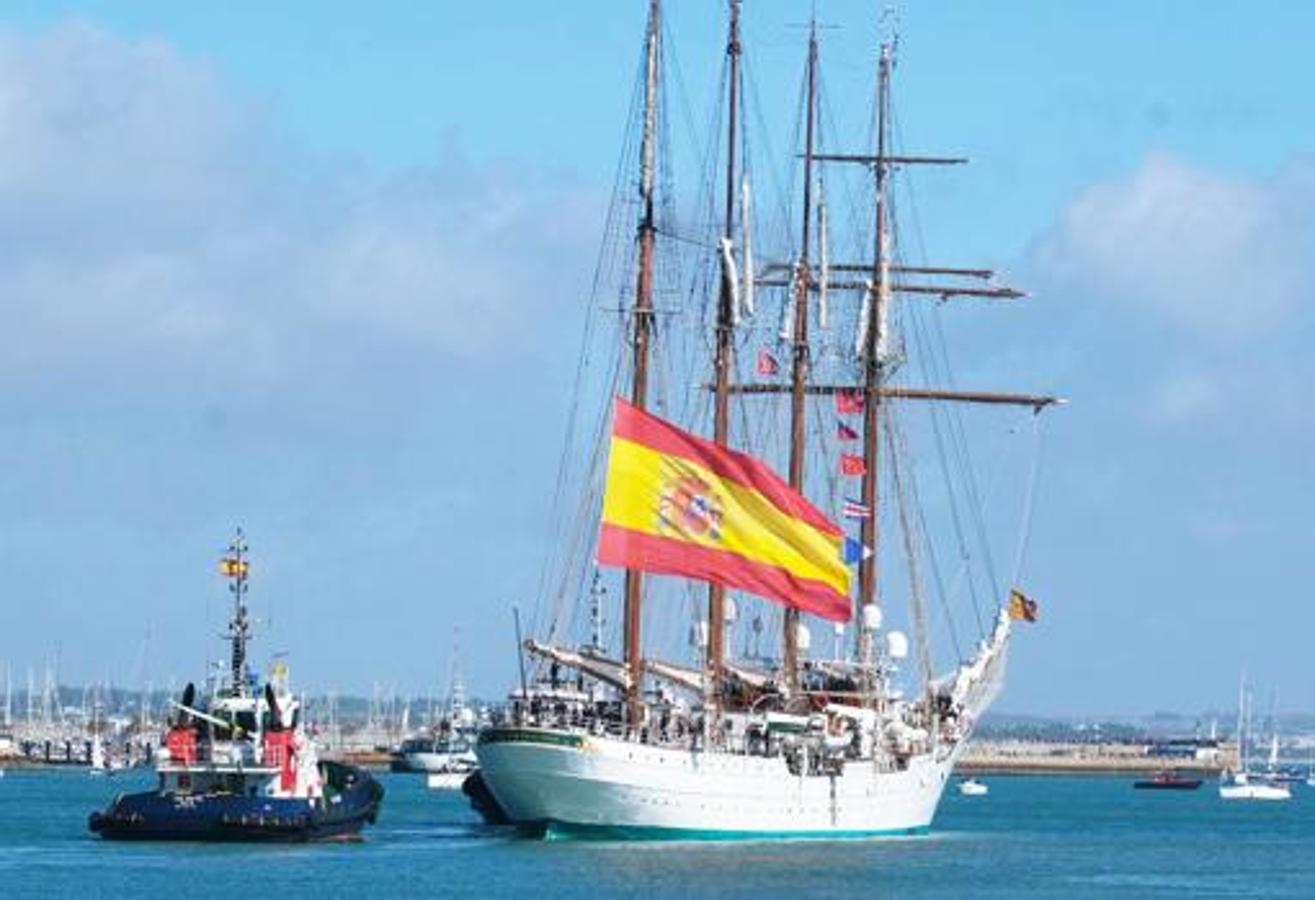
[572,783]
[1254,791]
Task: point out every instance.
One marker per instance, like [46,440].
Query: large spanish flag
[676,504]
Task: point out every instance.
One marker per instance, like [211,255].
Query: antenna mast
[234,567]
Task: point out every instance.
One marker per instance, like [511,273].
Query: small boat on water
[971,787]
[239,766]
[1169,780]
[446,755]
[446,759]
[1240,786]
[102,763]
[1245,785]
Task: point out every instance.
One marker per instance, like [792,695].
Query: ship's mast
[799,364]
[725,344]
[643,325]
[873,363]
[239,629]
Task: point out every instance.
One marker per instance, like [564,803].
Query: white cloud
[1221,258]
[1184,396]
[205,324]
[152,223]
[1192,291]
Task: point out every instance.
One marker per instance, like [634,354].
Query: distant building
[1203,749]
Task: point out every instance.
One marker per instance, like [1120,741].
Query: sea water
[1031,837]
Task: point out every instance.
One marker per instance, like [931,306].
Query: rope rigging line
[922,635]
[948,424]
[1029,501]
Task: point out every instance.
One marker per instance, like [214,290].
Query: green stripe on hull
[566,831]
[530,736]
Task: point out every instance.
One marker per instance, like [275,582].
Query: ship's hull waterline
[566,784]
[161,816]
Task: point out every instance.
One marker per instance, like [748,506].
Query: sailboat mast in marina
[723,747]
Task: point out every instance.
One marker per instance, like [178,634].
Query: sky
[319,269]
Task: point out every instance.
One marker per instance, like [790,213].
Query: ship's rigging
[822,292]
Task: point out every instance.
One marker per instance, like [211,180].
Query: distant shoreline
[1065,758]
[1080,767]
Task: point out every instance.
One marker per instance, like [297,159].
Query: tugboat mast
[234,567]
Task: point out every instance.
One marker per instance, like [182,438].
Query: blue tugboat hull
[155,816]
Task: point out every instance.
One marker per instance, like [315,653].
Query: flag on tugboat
[767,364]
[676,504]
[849,402]
[856,510]
[1020,607]
[852,464]
[232,568]
[845,433]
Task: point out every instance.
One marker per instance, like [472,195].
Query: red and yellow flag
[1021,607]
[232,568]
[676,504]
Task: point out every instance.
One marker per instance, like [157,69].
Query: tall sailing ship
[757,743]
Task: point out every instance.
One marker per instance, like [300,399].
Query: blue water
[1032,837]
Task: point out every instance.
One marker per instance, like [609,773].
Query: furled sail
[864,322]
[883,305]
[731,278]
[682,676]
[824,265]
[746,239]
[786,331]
[606,670]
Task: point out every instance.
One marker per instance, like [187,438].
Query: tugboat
[240,765]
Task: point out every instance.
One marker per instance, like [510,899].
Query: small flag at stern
[1020,607]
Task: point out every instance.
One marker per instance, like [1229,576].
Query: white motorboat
[971,787]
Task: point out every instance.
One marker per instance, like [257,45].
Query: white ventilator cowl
[897,645]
